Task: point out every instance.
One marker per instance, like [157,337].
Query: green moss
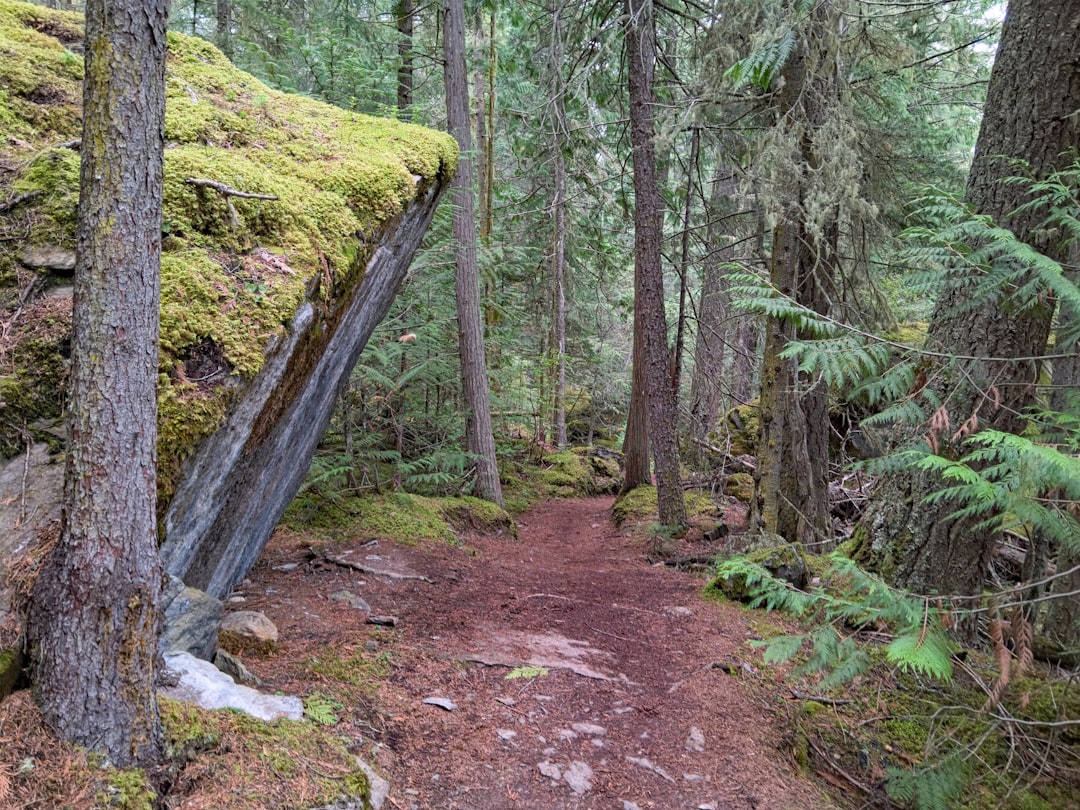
[740,486]
[239,755]
[906,734]
[638,504]
[909,333]
[740,429]
[468,512]
[127,790]
[360,669]
[10,671]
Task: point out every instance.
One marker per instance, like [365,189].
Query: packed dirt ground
[558,669]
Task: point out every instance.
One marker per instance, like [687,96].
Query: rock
[235,669]
[206,686]
[379,788]
[351,599]
[550,770]
[191,620]
[696,740]
[48,257]
[630,805]
[505,734]
[589,729]
[579,777]
[382,621]
[649,765]
[441,702]
[740,486]
[248,630]
[780,558]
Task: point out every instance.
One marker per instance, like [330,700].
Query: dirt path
[646,701]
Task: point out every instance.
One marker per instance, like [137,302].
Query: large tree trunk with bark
[479,439]
[1031,103]
[648,270]
[93,621]
[557,106]
[404,11]
[792,473]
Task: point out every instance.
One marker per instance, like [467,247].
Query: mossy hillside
[640,504]
[233,270]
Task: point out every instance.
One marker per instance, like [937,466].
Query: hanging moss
[233,270]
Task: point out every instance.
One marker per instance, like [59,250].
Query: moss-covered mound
[234,270]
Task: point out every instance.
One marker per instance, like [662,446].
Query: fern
[321,709]
[761,68]
[937,786]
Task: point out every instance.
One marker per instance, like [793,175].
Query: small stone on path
[350,599]
[550,770]
[649,765]
[505,733]
[696,741]
[589,729]
[578,776]
[441,702]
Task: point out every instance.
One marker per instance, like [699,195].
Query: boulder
[191,620]
[248,630]
[266,302]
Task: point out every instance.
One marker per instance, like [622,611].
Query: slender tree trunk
[558,220]
[404,11]
[707,381]
[224,27]
[648,271]
[791,475]
[479,439]
[93,621]
[1029,116]
[684,263]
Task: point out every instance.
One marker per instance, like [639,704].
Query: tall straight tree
[559,139]
[1030,116]
[652,363]
[479,439]
[93,622]
[791,475]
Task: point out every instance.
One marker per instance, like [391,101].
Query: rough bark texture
[648,271]
[558,224]
[707,380]
[223,31]
[791,476]
[1031,102]
[94,619]
[479,439]
[404,11]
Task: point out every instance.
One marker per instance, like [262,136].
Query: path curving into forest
[650,698]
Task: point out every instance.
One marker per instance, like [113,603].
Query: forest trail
[648,697]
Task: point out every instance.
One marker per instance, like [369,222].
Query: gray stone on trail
[649,765]
[206,686]
[505,734]
[441,702]
[630,805]
[550,770]
[351,599]
[235,669]
[579,777]
[695,741]
[250,624]
[589,729]
[191,620]
[48,257]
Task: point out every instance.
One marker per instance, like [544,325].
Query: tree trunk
[93,620]
[791,476]
[404,11]
[648,271]
[558,222]
[479,439]
[1029,116]
[707,381]
[224,27]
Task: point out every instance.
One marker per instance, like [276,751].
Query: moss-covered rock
[259,296]
[234,271]
[740,486]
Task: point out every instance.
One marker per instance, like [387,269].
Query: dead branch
[228,191]
[19,200]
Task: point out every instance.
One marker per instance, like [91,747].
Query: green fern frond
[760,69]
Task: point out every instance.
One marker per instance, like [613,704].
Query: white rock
[696,741]
[206,686]
[441,702]
[505,733]
[589,729]
[550,770]
[579,777]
